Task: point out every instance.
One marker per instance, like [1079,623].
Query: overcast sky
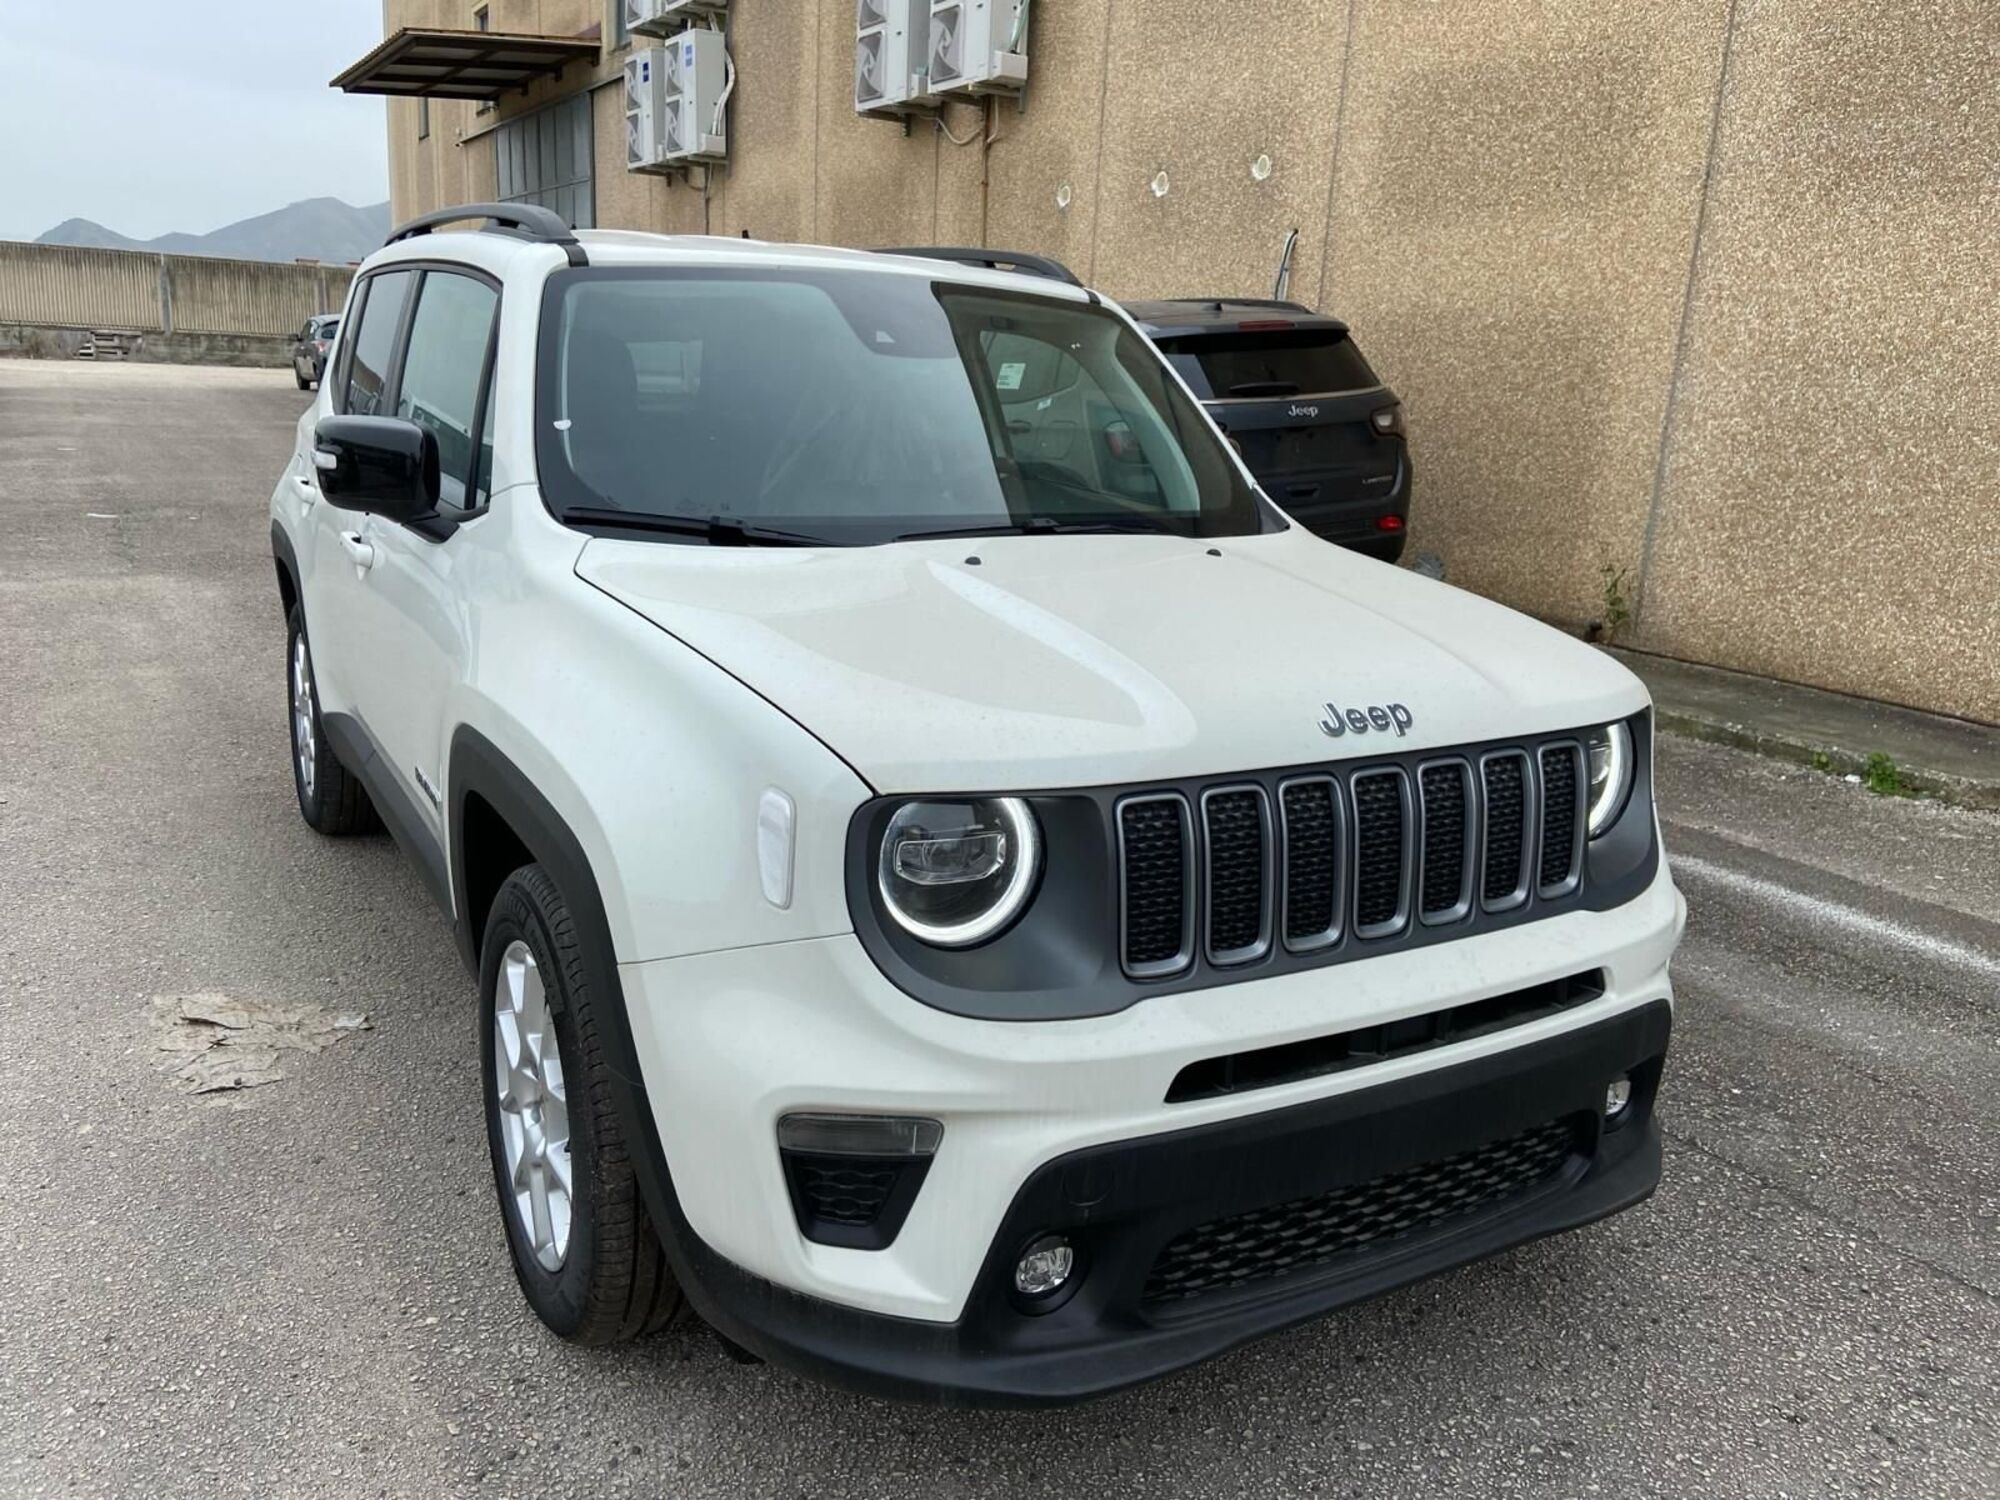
[156,115]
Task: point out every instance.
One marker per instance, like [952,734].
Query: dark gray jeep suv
[1318,428]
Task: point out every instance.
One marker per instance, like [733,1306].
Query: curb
[1958,791]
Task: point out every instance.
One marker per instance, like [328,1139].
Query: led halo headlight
[955,871]
[1609,750]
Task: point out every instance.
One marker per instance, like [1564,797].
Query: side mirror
[383,465]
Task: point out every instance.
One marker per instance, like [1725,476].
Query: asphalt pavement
[302,1289]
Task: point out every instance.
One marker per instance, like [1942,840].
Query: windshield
[862,406]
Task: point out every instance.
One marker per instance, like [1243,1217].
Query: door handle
[359,551]
[308,491]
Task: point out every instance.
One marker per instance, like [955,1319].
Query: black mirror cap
[383,465]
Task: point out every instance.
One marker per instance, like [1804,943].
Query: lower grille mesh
[843,1192]
[1308,1232]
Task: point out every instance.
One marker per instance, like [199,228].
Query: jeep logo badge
[1303,411]
[1380,716]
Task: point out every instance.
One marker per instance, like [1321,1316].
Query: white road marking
[1818,910]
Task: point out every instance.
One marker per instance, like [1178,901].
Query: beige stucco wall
[1702,294]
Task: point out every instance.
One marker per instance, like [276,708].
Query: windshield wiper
[718,531]
[1048,526]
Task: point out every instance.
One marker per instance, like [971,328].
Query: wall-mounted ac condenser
[977,46]
[889,51]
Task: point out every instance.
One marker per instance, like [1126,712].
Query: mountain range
[313,228]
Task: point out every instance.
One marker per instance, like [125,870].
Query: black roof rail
[528,221]
[993,260]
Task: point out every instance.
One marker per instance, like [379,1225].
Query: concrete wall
[68,286]
[1692,304]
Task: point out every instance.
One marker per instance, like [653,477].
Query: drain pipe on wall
[1283,282]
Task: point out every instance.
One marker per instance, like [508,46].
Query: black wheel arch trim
[287,559]
[479,766]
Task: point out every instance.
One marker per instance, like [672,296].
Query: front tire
[585,1253]
[330,796]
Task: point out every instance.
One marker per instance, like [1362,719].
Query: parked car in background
[1316,425]
[310,351]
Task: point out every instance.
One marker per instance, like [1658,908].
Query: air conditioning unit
[977,46]
[889,37]
[672,95]
[658,17]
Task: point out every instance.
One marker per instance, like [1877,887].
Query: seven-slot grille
[1343,857]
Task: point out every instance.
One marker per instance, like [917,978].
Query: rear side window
[444,374]
[368,363]
[1245,366]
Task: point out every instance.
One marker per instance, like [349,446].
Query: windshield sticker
[1009,378]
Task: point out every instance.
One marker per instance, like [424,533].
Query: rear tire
[304,384]
[330,796]
[585,1252]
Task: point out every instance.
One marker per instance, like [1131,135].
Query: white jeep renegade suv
[963,892]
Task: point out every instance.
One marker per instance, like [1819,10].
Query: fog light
[1617,1098]
[1044,1266]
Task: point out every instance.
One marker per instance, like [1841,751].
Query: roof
[435,63]
[498,253]
[1223,314]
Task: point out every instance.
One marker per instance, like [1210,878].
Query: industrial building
[1690,304]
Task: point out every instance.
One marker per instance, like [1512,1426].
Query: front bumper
[1123,1204]
[1062,1126]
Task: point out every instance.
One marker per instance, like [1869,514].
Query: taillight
[320,344]
[1388,421]
[1388,523]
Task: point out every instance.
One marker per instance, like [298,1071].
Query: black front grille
[1153,836]
[1233,822]
[1558,814]
[1378,858]
[1317,864]
[1445,791]
[1312,860]
[1312,1232]
[1506,827]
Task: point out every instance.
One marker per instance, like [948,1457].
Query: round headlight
[1610,774]
[955,872]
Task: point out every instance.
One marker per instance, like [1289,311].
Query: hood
[1043,662]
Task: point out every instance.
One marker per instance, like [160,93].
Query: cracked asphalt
[302,1290]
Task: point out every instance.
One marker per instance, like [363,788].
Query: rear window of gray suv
[1280,362]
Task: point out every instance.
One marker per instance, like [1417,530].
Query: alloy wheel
[305,732]
[534,1110]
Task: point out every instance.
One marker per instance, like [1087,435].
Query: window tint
[443,370]
[861,407]
[368,360]
[1303,362]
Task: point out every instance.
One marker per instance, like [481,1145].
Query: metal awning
[437,64]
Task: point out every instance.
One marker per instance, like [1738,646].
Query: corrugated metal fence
[70,286]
